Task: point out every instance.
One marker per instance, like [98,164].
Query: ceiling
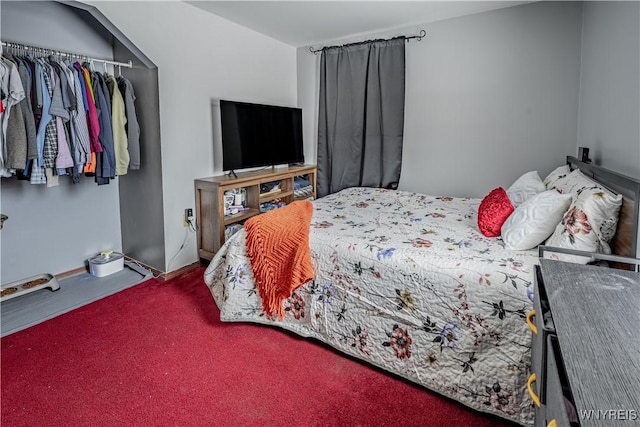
[305,23]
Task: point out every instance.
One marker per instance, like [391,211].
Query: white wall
[53,230]
[609,120]
[308,71]
[201,59]
[488,97]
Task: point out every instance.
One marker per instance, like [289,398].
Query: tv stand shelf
[240,216]
[268,197]
[210,191]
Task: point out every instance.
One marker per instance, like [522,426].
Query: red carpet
[158,355]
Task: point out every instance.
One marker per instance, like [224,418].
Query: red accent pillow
[494,210]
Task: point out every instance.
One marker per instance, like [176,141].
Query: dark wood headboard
[625,241]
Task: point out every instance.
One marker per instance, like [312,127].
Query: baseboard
[175,273]
[168,275]
[71,272]
[156,273]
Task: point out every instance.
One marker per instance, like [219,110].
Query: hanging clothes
[103,102]
[37,169]
[132,127]
[118,123]
[60,118]
[80,139]
[15,133]
[61,114]
[27,113]
[11,93]
[92,118]
[50,151]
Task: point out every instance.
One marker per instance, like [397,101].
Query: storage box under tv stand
[210,191]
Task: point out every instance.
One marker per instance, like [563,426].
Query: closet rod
[44,51]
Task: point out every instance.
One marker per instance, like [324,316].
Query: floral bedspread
[406,282]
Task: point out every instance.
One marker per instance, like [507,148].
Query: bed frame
[625,241]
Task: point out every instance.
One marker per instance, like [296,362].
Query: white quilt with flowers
[406,282]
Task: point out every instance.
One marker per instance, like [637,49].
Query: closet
[64,119]
[56,229]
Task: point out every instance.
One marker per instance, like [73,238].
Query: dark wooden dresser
[586,345]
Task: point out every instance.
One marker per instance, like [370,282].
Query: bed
[406,282]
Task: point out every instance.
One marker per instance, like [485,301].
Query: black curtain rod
[418,37]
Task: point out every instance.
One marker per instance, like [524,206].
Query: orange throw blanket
[278,247]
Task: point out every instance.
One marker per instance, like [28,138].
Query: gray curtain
[361,115]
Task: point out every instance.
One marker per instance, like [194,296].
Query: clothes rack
[40,51]
[63,117]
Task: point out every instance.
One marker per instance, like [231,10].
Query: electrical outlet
[188,216]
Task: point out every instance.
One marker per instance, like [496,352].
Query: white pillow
[525,187]
[577,182]
[534,220]
[557,174]
[590,223]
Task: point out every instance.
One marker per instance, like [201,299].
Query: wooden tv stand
[210,191]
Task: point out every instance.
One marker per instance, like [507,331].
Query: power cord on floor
[130,260]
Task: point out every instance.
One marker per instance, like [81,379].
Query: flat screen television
[256,135]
